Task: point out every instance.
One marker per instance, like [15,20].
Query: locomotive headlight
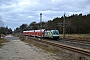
[50,33]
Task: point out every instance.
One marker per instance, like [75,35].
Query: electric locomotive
[54,34]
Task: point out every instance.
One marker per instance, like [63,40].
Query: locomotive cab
[55,34]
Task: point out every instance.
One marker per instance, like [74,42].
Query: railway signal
[41,25]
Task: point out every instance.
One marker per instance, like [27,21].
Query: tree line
[75,24]
[5,31]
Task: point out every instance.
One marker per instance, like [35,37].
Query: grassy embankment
[77,36]
[45,47]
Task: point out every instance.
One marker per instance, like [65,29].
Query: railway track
[76,43]
[64,46]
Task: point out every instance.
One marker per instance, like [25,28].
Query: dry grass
[2,35]
[43,46]
[2,41]
[77,36]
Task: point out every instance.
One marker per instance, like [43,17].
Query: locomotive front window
[55,32]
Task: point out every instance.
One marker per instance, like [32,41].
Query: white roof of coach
[29,31]
[39,30]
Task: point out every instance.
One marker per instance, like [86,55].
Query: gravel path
[18,50]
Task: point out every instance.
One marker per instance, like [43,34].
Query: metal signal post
[41,26]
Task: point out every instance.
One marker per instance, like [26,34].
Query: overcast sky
[17,12]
